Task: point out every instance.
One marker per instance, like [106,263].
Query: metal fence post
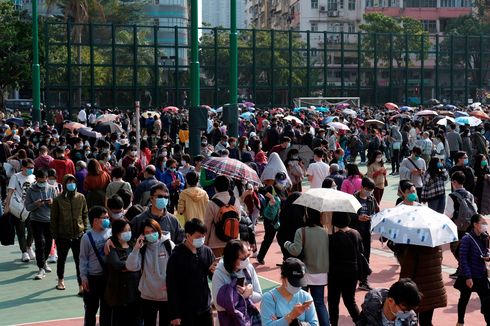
[451,68]
[69,73]
[375,69]
[135,63]
[359,63]
[466,69]
[216,77]
[480,80]
[156,79]
[46,68]
[325,63]
[290,66]
[422,53]
[254,65]
[342,79]
[92,68]
[407,59]
[273,61]
[176,68]
[391,67]
[308,71]
[437,93]
[113,59]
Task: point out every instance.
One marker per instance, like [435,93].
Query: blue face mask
[199,242]
[412,197]
[126,236]
[161,203]
[152,237]
[71,186]
[439,165]
[29,171]
[466,161]
[106,223]
[172,169]
[42,184]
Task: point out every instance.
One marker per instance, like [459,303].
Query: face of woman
[242,259]
[481,226]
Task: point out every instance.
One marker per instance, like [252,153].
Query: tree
[398,32]
[15,49]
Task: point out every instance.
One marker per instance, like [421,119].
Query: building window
[314,27]
[430,26]
[341,4]
[314,4]
[420,3]
[351,28]
[332,5]
[351,4]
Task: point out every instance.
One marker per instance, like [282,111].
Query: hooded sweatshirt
[192,203]
[62,166]
[153,282]
[35,192]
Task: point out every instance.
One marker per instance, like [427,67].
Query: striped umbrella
[231,168]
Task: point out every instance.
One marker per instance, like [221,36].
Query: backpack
[463,210]
[228,226]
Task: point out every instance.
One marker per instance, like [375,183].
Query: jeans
[20,229]
[43,241]
[437,203]
[63,246]
[345,286]
[318,294]
[270,233]
[150,309]
[479,286]
[197,319]
[93,299]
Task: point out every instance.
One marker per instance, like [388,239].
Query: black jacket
[187,281]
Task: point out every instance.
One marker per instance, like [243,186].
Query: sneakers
[40,274]
[364,287]
[31,253]
[25,257]
[52,259]
[47,269]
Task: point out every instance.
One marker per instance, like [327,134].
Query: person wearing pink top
[352,182]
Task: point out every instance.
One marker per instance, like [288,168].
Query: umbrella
[148,114]
[391,106]
[450,107]
[474,105]
[377,123]
[304,153]
[472,121]
[329,119]
[338,125]
[293,118]
[322,109]
[405,109]
[231,168]
[342,106]
[108,127]
[415,225]
[90,133]
[72,125]
[438,107]
[248,104]
[433,101]
[106,118]
[400,116]
[349,112]
[17,121]
[444,121]
[480,115]
[446,113]
[426,113]
[276,110]
[247,115]
[458,114]
[171,109]
[328,200]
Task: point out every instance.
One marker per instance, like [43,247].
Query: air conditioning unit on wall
[333,13]
[323,9]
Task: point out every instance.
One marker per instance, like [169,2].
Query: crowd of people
[151,228]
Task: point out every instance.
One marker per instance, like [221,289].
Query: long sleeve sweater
[470,251]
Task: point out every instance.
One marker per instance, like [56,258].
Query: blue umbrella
[458,114]
[471,121]
[322,109]
[405,108]
[450,107]
[247,115]
[329,119]
[17,121]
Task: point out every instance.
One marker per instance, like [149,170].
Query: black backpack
[463,210]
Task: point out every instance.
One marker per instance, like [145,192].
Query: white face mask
[244,263]
[292,289]
[484,228]
[378,159]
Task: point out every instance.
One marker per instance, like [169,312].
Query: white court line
[48,321]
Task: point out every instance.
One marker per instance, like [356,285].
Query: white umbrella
[426,113]
[375,122]
[293,118]
[106,118]
[349,112]
[328,200]
[444,121]
[338,125]
[475,105]
[415,225]
[148,114]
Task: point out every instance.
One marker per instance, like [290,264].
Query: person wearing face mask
[38,201]
[413,168]
[288,303]
[461,164]
[95,184]
[283,145]
[43,160]
[175,182]
[185,165]
[115,205]
[142,191]
[473,253]
[407,194]
[296,169]
[377,172]
[236,275]
[133,166]
[434,189]
[62,165]
[362,221]
[190,266]
[69,222]
[78,153]
[150,255]
[482,186]
[393,306]
[157,210]
[92,266]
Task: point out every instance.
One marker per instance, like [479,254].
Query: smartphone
[217,259]
[307,303]
[240,281]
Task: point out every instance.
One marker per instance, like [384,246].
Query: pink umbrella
[426,113]
[171,109]
[391,106]
[338,126]
[248,104]
[342,106]
[277,110]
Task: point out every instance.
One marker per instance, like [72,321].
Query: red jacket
[62,166]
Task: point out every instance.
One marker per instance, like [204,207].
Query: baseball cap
[294,270]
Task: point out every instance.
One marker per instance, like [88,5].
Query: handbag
[18,209]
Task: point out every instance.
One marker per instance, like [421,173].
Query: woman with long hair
[95,184]
[482,187]
[434,189]
[377,172]
[352,182]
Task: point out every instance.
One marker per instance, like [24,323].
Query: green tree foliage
[392,37]
[15,48]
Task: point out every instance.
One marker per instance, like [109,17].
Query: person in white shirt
[413,168]
[82,116]
[318,171]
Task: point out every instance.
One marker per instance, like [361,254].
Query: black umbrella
[108,127]
[17,121]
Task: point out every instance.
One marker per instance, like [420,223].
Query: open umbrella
[377,123]
[391,106]
[72,125]
[474,105]
[90,133]
[148,114]
[304,152]
[438,106]
[322,109]
[425,113]
[328,200]
[349,112]
[433,101]
[248,104]
[471,121]
[247,115]
[106,118]
[293,118]
[277,110]
[450,107]
[171,109]
[17,121]
[446,113]
[329,119]
[458,114]
[405,109]
[480,115]
[108,127]
[338,125]
[400,116]
[415,225]
[445,121]
[231,168]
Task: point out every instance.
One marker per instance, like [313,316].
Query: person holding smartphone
[289,304]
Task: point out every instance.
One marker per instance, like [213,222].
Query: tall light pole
[233,109]
[36,70]
[194,131]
